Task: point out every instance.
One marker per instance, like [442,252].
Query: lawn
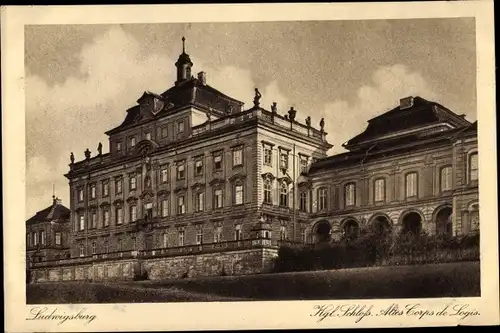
[416,281]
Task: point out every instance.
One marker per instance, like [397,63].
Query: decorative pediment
[285,179]
[118,201]
[180,189]
[237,176]
[145,147]
[131,199]
[151,102]
[104,204]
[80,209]
[92,206]
[147,194]
[268,175]
[198,186]
[305,184]
[163,193]
[217,181]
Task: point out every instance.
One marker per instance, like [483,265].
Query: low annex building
[194,184]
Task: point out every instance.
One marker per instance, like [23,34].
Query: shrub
[141,275]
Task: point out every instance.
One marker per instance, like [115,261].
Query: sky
[80,79]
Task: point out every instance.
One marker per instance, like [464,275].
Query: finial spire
[183,44]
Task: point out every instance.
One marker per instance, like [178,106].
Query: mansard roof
[411,114]
[192,92]
[55,212]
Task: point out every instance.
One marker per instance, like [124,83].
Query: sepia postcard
[249,166]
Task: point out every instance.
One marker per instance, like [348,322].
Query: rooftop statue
[256,99]
[87,154]
[72,158]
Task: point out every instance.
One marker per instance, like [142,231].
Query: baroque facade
[414,169]
[192,181]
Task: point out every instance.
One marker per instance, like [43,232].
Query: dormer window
[148,135]
[118,146]
[132,141]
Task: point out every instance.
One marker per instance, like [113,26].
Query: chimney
[202,77]
[405,103]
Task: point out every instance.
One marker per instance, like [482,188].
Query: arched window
[473,167]
[350,194]
[268,191]
[446,178]
[284,194]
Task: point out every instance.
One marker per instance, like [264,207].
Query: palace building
[194,184]
[47,233]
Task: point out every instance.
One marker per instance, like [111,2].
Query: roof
[391,147]
[55,212]
[190,92]
[420,113]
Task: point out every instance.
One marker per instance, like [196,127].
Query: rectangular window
[118,186]
[350,194]
[42,237]
[181,207]
[283,235]
[148,209]
[164,132]
[268,191]
[322,199]
[94,247]
[105,217]
[446,178]
[218,235]
[411,185]
[217,162]
[119,215]
[165,239]
[134,243]
[198,168]
[473,167]
[35,239]
[303,164]
[80,194]
[93,219]
[164,174]
[237,156]
[379,186]
[181,237]
[119,244]
[199,235]
[303,235]
[180,127]
[105,188]
[181,171]
[284,161]
[284,194]
[218,198]
[82,250]
[118,146]
[237,232]
[268,155]
[132,141]
[92,191]
[133,213]
[133,182]
[58,238]
[238,194]
[148,135]
[164,207]
[81,219]
[106,246]
[303,201]
[199,201]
